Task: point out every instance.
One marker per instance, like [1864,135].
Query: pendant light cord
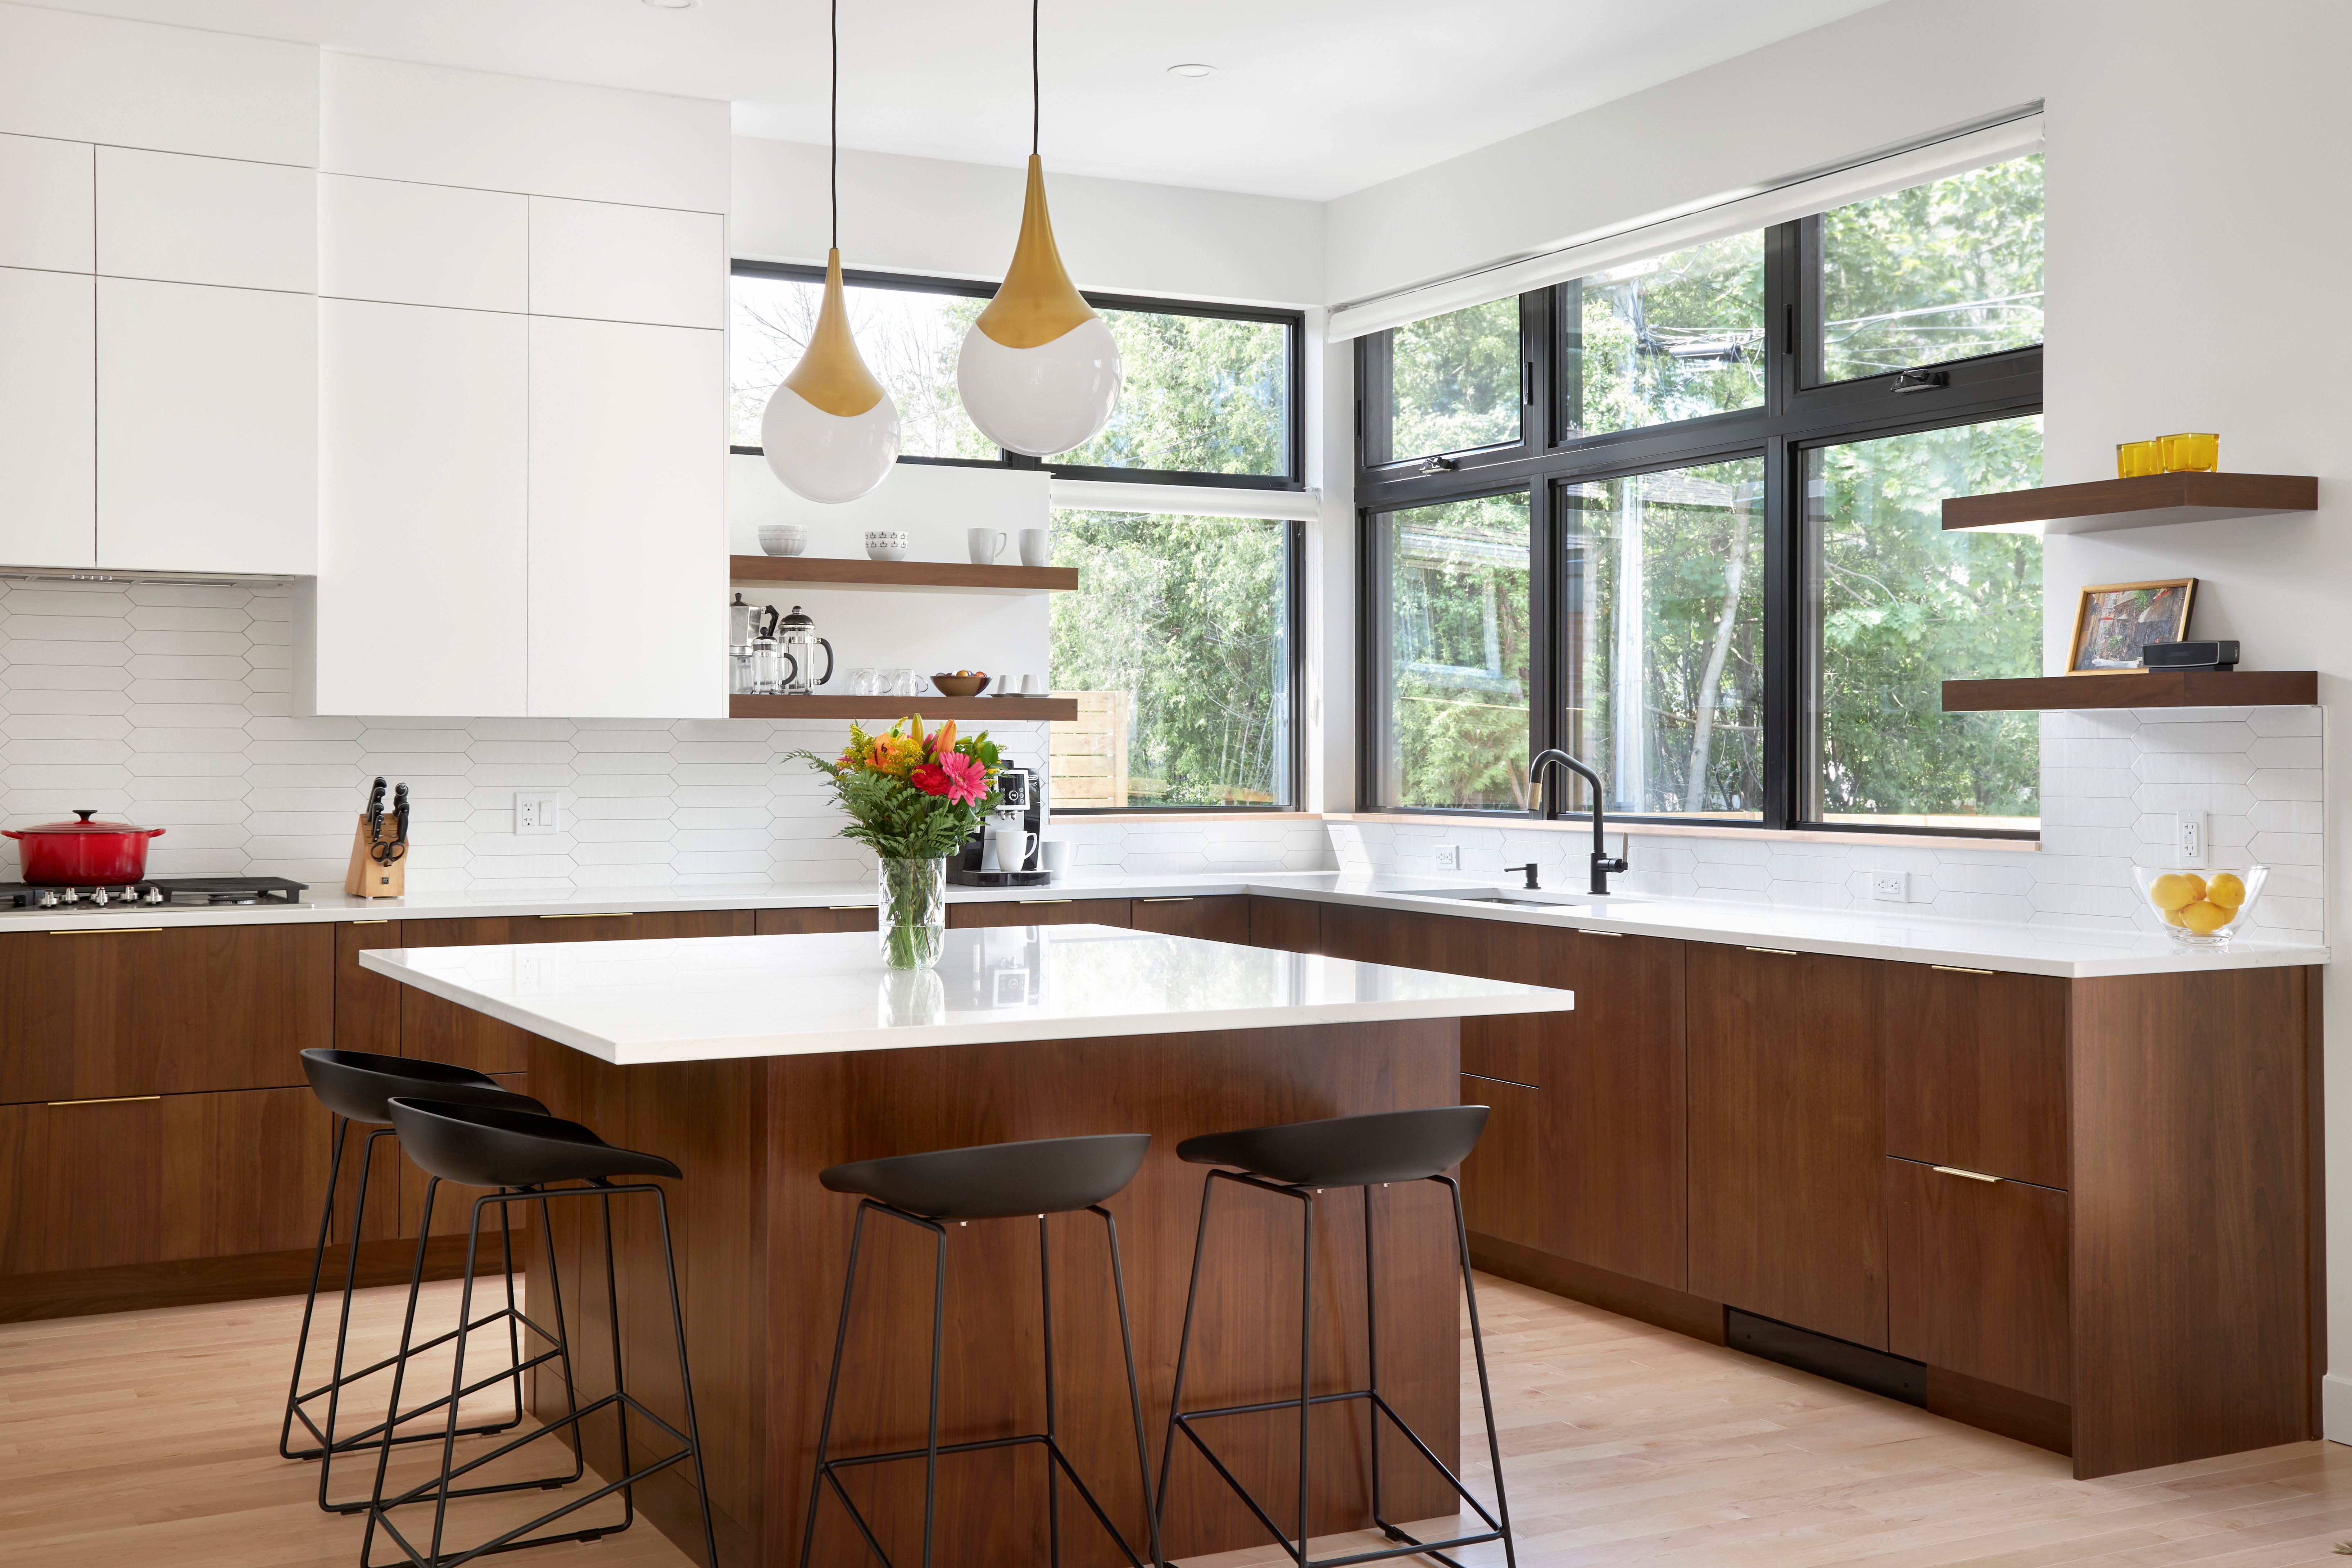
[832,178]
[1033,94]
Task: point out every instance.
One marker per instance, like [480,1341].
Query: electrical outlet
[2188,838]
[1449,856]
[537,814]
[1892,886]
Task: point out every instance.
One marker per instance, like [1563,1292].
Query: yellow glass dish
[2134,459]
[2191,453]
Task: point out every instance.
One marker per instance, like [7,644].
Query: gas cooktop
[188,892]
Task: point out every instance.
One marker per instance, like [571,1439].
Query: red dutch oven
[82,854]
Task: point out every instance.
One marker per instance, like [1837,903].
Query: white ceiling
[1310,98]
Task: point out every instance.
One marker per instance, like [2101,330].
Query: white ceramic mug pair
[987,544]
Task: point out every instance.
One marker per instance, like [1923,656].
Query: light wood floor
[151,1438]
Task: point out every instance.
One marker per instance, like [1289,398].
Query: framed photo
[2114,621]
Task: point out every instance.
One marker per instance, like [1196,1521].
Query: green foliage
[1675,338]
[1458,674]
[890,815]
[1201,395]
[1190,615]
[1456,381]
[1936,272]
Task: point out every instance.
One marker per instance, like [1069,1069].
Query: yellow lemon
[2170,916]
[2205,919]
[2226,891]
[2175,891]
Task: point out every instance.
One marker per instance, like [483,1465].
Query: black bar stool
[355,1085]
[522,1155]
[993,1181]
[1298,1160]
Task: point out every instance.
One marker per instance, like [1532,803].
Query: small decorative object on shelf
[2201,908]
[885,543]
[913,799]
[2191,452]
[2114,621]
[783,537]
[2134,459]
[2214,656]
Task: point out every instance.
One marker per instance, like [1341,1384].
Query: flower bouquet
[913,799]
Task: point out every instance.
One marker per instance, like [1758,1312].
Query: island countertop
[710,998]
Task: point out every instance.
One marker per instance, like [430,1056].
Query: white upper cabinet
[628,554]
[45,203]
[207,429]
[48,456]
[423,244]
[178,220]
[422,565]
[627,264]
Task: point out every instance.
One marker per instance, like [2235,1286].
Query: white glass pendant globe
[830,431]
[1043,400]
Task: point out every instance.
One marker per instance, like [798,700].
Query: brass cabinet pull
[1956,969]
[1583,931]
[607,915]
[834,907]
[1185,898]
[1776,951]
[107,931]
[110,1100]
[379,921]
[1956,1171]
[1044,900]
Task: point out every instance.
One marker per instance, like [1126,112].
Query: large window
[1689,528]
[1211,394]
[1181,647]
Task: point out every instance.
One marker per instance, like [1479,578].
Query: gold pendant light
[1039,371]
[830,431]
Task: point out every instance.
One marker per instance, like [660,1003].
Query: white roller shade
[1737,212]
[1186,500]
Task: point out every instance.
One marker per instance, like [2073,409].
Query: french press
[797,636]
[774,671]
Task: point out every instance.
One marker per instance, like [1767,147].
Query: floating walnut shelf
[995,709]
[938,576]
[2146,501]
[2136,689]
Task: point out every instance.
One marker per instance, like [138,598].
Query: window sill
[1162,814]
[1678,830]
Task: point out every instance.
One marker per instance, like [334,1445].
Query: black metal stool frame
[326,1445]
[930,1453]
[1498,1523]
[379,1506]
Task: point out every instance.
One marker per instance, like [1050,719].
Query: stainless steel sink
[1517,901]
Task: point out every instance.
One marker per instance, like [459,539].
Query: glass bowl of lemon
[2201,908]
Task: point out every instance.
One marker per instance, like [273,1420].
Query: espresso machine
[1017,826]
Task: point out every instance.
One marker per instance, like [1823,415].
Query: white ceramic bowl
[783,537]
[885,543]
[2184,900]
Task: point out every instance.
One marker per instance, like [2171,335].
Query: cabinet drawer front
[1043,913]
[96,1013]
[799,923]
[1976,1276]
[1290,925]
[1505,1179]
[1224,919]
[1976,1071]
[658,926]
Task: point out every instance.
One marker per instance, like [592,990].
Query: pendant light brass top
[831,374]
[1037,302]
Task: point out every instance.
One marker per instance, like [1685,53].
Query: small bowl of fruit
[961,682]
[2201,908]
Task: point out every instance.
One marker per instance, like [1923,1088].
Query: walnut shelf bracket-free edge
[2143,500]
[1005,708]
[2136,689]
[927,576]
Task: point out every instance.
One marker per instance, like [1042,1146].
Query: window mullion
[1783,637]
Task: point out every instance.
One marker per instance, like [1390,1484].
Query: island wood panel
[1976,1071]
[1786,1138]
[1041,912]
[1976,1277]
[1508,1182]
[421,1024]
[803,922]
[1293,925]
[758,1160]
[1215,918]
[2192,1248]
[99,1013]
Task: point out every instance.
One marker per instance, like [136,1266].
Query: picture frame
[2114,621]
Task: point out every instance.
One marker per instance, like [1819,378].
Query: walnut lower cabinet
[1976,1275]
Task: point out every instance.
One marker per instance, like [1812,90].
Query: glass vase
[913,910]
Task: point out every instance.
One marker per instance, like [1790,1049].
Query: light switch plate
[537,814]
[1449,856]
[1892,886]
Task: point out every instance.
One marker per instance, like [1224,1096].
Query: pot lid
[797,618]
[84,826]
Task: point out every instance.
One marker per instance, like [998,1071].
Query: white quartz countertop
[2071,952]
[703,998]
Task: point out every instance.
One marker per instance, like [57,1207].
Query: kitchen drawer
[654,927]
[94,1012]
[1223,919]
[1041,912]
[797,922]
[1976,1071]
[1388,936]
[1505,1180]
[376,1012]
[1290,925]
[153,1180]
[1976,1277]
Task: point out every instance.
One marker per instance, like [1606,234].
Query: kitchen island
[754,1062]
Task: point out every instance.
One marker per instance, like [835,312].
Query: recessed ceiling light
[1193,71]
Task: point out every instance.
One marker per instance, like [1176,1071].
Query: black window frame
[1799,413]
[915,283]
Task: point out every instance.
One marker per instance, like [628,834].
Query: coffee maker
[1021,805]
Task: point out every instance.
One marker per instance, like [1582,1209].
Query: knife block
[367,878]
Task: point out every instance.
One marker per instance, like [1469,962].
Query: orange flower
[943,740]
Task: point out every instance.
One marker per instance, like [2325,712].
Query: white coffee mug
[1008,845]
[987,544]
[1056,856]
[1036,547]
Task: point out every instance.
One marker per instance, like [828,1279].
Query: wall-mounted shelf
[935,576]
[2136,689]
[2146,501]
[1001,709]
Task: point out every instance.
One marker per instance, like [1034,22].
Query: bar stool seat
[1299,1160]
[525,1154]
[357,1087]
[1041,1177]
